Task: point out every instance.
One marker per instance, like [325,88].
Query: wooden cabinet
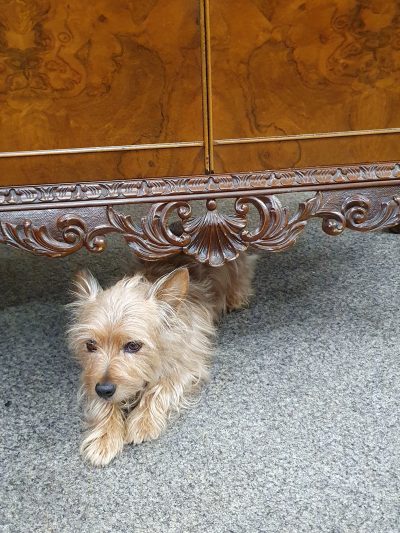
[107,103]
[97,75]
[319,72]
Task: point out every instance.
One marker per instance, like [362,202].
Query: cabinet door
[98,74]
[315,70]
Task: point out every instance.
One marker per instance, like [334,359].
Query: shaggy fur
[151,337]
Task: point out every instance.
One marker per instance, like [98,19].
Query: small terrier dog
[145,343]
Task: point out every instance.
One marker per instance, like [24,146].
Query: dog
[145,345]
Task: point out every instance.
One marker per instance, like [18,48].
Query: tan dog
[145,344]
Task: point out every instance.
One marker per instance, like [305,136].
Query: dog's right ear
[173,287]
[85,286]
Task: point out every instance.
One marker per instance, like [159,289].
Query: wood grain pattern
[101,166]
[75,74]
[298,154]
[304,66]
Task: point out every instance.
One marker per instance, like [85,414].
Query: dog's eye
[132,347]
[91,346]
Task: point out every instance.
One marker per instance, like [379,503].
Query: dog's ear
[85,286]
[173,287]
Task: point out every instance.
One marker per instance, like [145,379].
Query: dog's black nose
[105,390]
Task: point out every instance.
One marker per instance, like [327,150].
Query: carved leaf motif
[29,194]
[153,239]
[193,185]
[91,192]
[39,241]
[64,193]
[357,213]
[276,232]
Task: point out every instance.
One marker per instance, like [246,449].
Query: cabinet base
[55,221]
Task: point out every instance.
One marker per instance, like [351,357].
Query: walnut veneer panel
[304,66]
[298,154]
[101,166]
[76,74]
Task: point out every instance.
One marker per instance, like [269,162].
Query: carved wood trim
[149,190]
[212,237]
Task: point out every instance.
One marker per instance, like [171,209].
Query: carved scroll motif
[213,237]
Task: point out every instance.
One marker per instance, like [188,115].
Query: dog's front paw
[141,427]
[100,450]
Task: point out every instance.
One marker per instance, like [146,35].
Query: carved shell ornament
[215,238]
[212,237]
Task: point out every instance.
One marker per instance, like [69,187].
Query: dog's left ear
[173,287]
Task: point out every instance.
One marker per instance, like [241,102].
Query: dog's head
[117,332]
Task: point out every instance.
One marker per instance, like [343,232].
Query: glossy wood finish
[298,154]
[132,71]
[304,66]
[101,166]
[77,74]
